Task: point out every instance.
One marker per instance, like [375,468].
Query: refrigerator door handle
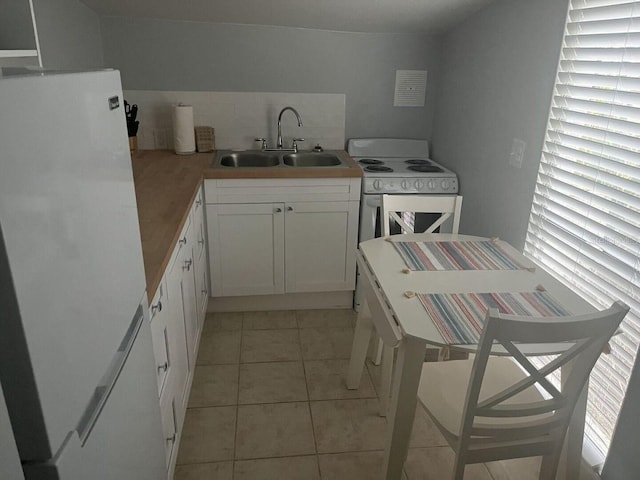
[109,379]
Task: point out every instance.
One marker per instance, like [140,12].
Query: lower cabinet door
[169,429]
[320,240]
[178,356]
[189,302]
[202,287]
[246,246]
[160,335]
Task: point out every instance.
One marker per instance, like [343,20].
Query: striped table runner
[466,255]
[460,316]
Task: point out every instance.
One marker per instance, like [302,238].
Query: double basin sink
[260,159]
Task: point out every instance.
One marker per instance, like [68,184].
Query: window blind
[585,218]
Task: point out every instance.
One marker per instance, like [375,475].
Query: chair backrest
[446,205]
[540,423]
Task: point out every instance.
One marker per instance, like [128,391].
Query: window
[585,219]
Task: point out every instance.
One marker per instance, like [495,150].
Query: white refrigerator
[76,361]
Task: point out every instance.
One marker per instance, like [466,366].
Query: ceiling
[384,16]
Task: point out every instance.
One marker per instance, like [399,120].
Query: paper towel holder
[184,140]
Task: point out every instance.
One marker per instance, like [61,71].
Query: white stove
[400,166]
[395,166]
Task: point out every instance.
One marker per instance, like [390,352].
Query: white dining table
[401,320]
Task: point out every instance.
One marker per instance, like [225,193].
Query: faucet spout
[279,143]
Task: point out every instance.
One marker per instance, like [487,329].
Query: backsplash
[240,117]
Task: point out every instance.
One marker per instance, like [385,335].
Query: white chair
[393,209]
[492,408]
[445,205]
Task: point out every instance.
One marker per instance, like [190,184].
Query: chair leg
[377,359]
[549,467]
[458,467]
[385,378]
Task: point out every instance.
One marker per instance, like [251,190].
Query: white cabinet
[319,239]
[200,258]
[177,314]
[282,235]
[247,248]
[161,337]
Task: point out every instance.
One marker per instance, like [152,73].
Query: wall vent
[411,87]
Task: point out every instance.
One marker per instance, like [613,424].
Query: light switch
[517,153]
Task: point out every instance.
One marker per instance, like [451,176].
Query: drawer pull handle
[172,439]
[183,240]
[164,367]
[289,209]
[156,308]
[278,210]
[199,202]
[187,265]
[201,242]
[204,291]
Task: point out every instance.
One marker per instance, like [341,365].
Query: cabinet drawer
[196,208]
[184,243]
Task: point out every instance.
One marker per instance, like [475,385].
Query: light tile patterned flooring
[269,402]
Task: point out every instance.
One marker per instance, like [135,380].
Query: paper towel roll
[184,140]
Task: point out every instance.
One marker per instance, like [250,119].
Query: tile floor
[269,402]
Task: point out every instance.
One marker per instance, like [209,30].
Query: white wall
[240,117]
[177,56]
[498,70]
[69,34]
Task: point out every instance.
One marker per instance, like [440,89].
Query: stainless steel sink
[311,160]
[249,159]
[279,160]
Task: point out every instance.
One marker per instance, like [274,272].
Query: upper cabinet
[18,34]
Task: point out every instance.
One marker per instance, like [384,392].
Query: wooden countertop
[166,185]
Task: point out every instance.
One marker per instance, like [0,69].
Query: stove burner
[370,161]
[425,168]
[418,161]
[378,168]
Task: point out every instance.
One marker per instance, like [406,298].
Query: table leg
[360,346]
[402,410]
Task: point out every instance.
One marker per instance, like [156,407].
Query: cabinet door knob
[187,265]
[164,367]
[289,209]
[183,240]
[156,308]
[172,438]
[278,210]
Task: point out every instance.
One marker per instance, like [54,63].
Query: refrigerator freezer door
[125,441]
[71,248]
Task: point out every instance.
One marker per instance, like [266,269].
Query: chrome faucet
[279,143]
[279,147]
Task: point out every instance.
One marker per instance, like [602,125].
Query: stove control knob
[377,184]
[404,184]
[431,184]
[445,185]
[419,184]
